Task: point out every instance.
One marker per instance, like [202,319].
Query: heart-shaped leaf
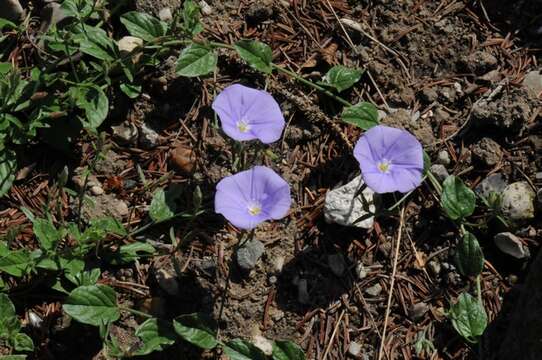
[341,78]
[197,330]
[257,54]
[93,305]
[468,317]
[196,60]
[156,336]
[363,115]
[143,26]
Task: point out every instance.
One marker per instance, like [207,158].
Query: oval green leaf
[257,54]
[469,257]
[238,349]
[196,60]
[93,305]
[197,330]
[341,78]
[468,317]
[156,336]
[144,26]
[287,350]
[458,201]
[364,115]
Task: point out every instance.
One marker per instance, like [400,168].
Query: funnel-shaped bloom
[248,114]
[390,159]
[253,196]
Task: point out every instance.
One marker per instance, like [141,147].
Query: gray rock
[510,244]
[205,8]
[344,208]
[440,172]
[443,158]
[165,14]
[494,183]
[249,254]
[374,290]
[487,151]
[148,138]
[11,10]
[417,311]
[336,264]
[518,201]
[354,349]
[125,133]
[533,82]
[51,14]
[127,44]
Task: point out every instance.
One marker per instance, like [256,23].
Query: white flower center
[243,125]
[254,208]
[384,166]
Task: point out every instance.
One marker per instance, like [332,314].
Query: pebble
[165,14]
[354,349]
[443,158]
[127,44]
[249,254]
[264,344]
[96,190]
[148,138]
[374,290]
[125,133]
[205,8]
[167,281]
[487,151]
[440,172]
[344,208]
[494,183]
[510,244]
[533,82]
[337,264]
[361,271]
[518,201]
[11,10]
[417,311]
[183,158]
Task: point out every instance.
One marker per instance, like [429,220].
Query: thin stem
[311,84]
[136,312]
[434,182]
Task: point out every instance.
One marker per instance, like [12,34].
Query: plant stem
[311,84]
[434,182]
[136,312]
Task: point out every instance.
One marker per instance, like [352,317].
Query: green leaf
[191,18]
[8,168]
[469,257]
[143,26]
[468,317]
[5,67]
[238,349]
[79,9]
[163,205]
[196,60]
[46,233]
[457,199]
[95,42]
[131,252]
[156,335]
[364,115]
[85,278]
[131,90]
[426,162]
[257,54]
[22,342]
[56,263]
[94,102]
[109,225]
[6,23]
[287,350]
[9,324]
[12,357]
[93,305]
[197,330]
[341,78]
[16,263]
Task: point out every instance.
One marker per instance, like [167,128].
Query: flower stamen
[384,166]
[254,208]
[243,125]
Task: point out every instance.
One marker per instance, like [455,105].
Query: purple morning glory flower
[251,197]
[248,114]
[390,159]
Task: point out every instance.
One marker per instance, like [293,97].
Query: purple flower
[251,197]
[390,159]
[248,114]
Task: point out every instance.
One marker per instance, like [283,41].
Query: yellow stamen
[243,126]
[384,166]
[254,209]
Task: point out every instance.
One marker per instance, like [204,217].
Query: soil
[449,71]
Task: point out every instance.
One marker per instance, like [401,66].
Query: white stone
[354,349]
[344,208]
[265,345]
[518,201]
[443,158]
[165,14]
[205,8]
[510,244]
[128,43]
[533,82]
[148,138]
[361,271]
